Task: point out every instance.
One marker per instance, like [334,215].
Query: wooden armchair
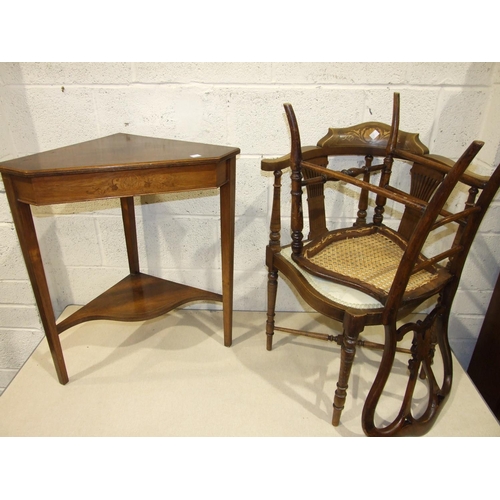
[370,274]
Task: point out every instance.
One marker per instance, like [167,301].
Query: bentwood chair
[376,273]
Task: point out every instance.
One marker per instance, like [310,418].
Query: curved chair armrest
[444,165]
[308,153]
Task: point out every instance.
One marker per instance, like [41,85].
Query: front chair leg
[272,289]
[353,326]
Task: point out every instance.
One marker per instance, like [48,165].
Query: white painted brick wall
[49,105]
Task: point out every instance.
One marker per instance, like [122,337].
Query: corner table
[121,166]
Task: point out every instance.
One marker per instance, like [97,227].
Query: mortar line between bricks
[4,305]
[270,85]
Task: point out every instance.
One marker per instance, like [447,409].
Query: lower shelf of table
[137,297]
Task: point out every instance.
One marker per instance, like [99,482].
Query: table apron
[67,188]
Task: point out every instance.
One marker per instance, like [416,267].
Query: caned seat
[367,258]
[377,273]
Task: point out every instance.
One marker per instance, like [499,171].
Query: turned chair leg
[353,326]
[272,289]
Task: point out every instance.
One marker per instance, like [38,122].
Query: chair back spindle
[385,177]
[297,221]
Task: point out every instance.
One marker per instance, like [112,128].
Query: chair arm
[283,162]
[443,164]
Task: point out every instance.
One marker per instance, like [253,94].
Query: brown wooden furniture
[370,274]
[121,166]
[484,366]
